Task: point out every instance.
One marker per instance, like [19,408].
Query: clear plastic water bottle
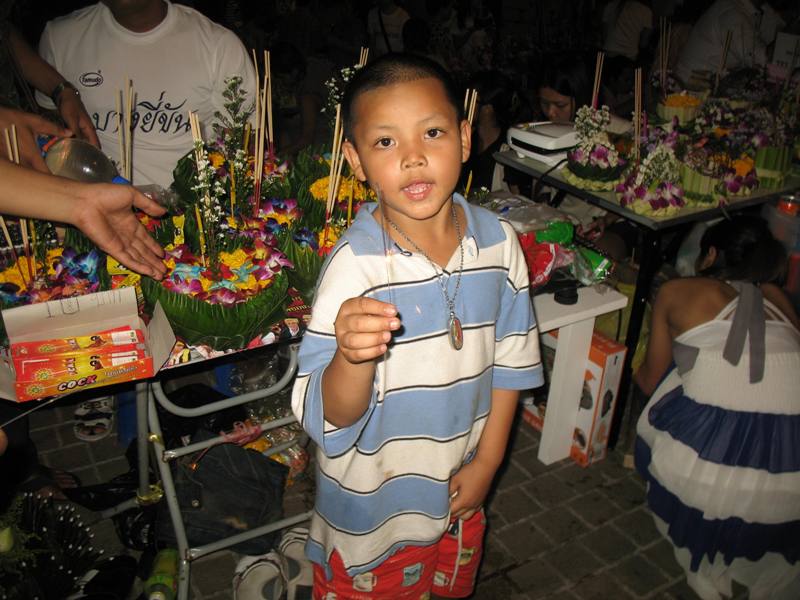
[79,160]
[163,581]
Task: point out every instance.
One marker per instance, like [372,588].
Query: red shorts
[413,572]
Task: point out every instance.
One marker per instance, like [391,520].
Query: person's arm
[363,330]
[102,211]
[659,347]
[41,75]
[470,485]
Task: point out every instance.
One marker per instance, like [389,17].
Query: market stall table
[652,229]
[575,323]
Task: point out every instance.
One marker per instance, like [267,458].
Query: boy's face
[409,145]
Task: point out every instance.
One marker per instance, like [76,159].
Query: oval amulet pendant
[456,333]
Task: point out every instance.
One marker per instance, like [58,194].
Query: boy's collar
[365,237]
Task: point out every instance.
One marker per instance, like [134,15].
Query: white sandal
[299,570]
[260,577]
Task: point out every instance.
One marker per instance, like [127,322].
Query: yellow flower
[743,165]
[206,283]
[319,189]
[682,99]
[52,256]
[250,284]
[233,259]
[12,274]
[333,233]
[216,159]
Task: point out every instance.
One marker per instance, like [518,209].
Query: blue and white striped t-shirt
[382,483]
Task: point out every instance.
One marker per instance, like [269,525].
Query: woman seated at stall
[718,439]
[563,85]
[498,107]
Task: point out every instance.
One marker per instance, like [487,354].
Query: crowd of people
[378,513]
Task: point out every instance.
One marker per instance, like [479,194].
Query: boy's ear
[351,154]
[466,140]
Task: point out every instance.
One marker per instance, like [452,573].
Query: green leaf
[220,327]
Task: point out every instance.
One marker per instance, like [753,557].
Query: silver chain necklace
[453,323]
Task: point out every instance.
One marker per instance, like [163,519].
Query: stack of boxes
[602,374]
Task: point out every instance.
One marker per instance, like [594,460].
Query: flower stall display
[745,88]
[771,147]
[652,187]
[50,274]
[682,106]
[594,163]
[247,231]
[309,238]
[226,279]
[710,177]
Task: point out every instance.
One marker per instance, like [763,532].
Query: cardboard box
[602,375]
[84,316]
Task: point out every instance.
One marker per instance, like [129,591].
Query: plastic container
[79,160]
[785,227]
[163,581]
[792,287]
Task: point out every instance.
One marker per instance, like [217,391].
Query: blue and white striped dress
[382,483]
[719,447]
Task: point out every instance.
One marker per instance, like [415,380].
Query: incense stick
[268,85]
[470,103]
[637,113]
[23,223]
[120,135]
[598,73]
[723,59]
[666,36]
[258,164]
[6,234]
[258,89]
[335,171]
[197,138]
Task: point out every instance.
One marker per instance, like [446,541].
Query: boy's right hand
[364,328]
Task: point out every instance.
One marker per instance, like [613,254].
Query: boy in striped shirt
[422,334]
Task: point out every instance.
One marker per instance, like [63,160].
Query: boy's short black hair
[396,68]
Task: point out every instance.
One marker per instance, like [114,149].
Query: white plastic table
[575,323]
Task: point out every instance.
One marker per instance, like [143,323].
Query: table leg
[649,263]
[142,431]
[566,383]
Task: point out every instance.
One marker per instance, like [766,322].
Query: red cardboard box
[83,316]
[602,376]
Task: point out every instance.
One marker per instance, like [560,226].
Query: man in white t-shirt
[385,24]
[177,60]
[629,28]
[702,53]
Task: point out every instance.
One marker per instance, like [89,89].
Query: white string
[388,252]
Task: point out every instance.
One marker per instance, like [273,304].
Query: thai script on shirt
[161,116]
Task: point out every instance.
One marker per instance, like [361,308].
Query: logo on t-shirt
[91,79]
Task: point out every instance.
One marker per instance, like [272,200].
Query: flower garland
[652,188]
[242,273]
[68,273]
[594,163]
[335,86]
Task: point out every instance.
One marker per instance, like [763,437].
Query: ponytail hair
[746,251]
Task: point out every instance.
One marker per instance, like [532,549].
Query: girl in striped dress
[719,441]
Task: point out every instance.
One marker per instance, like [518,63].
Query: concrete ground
[558,531]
